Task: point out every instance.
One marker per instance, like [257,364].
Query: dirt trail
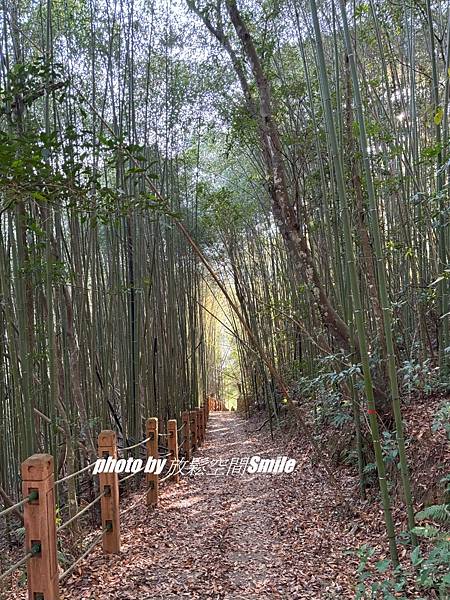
[226,537]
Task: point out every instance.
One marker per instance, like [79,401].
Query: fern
[427,532]
[440,513]
[433,568]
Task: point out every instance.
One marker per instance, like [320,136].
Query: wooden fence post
[202,408]
[173,447]
[187,435]
[109,504]
[152,451]
[197,429]
[200,426]
[40,527]
[193,423]
[205,416]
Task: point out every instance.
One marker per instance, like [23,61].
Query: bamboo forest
[224,299]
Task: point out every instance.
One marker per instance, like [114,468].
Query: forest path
[225,537]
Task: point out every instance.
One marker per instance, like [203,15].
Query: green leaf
[431,151]
[438,116]
[135,170]
[383,565]
[415,556]
[370,467]
[428,532]
[38,196]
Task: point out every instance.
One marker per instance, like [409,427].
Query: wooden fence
[214,404]
[39,494]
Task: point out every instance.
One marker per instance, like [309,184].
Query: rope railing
[130,476]
[170,475]
[141,443]
[141,449]
[72,475]
[81,512]
[170,434]
[88,550]
[32,496]
[138,499]
[38,482]
[165,455]
[35,549]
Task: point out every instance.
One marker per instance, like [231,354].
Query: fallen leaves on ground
[238,537]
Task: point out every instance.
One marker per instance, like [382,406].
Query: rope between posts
[166,477]
[130,476]
[142,469]
[142,442]
[33,496]
[85,553]
[135,504]
[169,434]
[170,475]
[35,549]
[146,491]
[81,512]
[67,477]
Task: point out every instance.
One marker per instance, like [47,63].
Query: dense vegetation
[247,199]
